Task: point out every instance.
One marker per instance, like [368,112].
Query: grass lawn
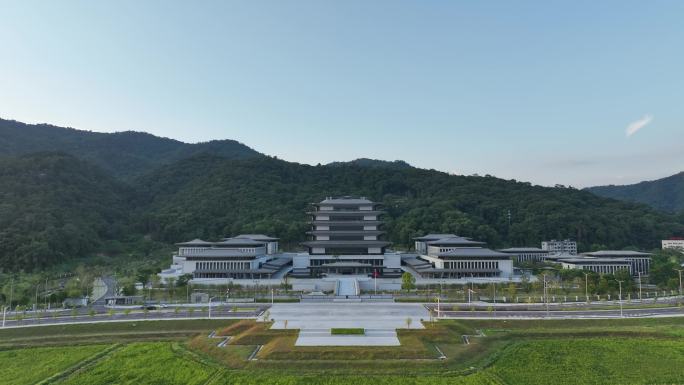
[107,332]
[592,361]
[634,351]
[30,366]
[145,363]
[348,331]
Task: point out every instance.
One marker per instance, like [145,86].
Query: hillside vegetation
[122,154]
[665,194]
[54,207]
[134,188]
[209,197]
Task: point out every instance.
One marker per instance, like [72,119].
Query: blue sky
[535,91]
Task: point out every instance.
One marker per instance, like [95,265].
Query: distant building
[346,239]
[566,246]
[597,265]
[639,262]
[246,256]
[526,254]
[673,243]
[451,256]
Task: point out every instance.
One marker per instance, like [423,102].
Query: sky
[577,93]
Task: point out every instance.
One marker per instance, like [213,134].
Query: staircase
[347,287]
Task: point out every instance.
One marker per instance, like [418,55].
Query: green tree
[408,282]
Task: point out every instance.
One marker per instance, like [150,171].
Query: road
[380,315]
[65,317]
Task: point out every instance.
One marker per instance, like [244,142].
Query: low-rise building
[640,262]
[526,254]
[565,246]
[597,265]
[246,256]
[673,243]
[452,256]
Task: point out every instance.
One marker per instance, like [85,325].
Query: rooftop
[474,252]
[433,237]
[523,250]
[195,242]
[617,253]
[454,241]
[257,237]
[346,200]
[593,261]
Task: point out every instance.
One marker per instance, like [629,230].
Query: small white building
[673,243]
[566,246]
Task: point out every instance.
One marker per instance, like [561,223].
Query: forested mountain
[54,207]
[122,154]
[665,194]
[210,197]
[134,187]
[373,163]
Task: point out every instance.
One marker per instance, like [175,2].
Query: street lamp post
[586,286]
[546,299]
[210,306]
[680,280]
[620,283]
[639,285]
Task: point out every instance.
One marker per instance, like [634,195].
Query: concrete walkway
[380,320]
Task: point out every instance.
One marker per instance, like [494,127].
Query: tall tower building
[346,238]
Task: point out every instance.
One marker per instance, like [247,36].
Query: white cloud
[637,125]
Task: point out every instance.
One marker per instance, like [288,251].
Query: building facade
[246,256]
[640,263]
[673,243]
[451,256]
[346,239]
[597,265]
[566,246]
[526,254]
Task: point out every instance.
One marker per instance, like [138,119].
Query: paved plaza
[316,319]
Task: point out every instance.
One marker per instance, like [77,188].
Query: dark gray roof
[345,232]
[239,242]
[342,213]
[346,200]
[334,222]
[195,242]
[346,243]
[617,253]
[594,261]
[219,252]
[474,252]
[433,237]
[454,241]
[257,237]
[523,250]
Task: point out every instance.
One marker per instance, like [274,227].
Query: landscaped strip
[347,331]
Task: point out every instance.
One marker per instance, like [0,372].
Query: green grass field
[633,351]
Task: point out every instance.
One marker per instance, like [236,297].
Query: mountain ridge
[666,194]
[81,208]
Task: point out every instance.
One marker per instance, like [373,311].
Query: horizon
[575,94]
[335,161]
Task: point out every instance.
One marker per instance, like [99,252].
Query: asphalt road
[65,317]
[328,315]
